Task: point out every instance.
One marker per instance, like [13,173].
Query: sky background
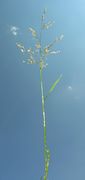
[21,127]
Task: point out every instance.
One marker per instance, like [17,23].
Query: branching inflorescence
[38,55]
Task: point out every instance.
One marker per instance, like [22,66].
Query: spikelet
[47,25]
[46,51]
[21,47]
[37,45]
[34,33]
[31,61]
[59,38]
[55,52]
[44,14]
[30,51]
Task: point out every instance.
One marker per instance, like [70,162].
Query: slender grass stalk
[46,150]
[38,56]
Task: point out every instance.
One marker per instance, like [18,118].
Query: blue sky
[21,130]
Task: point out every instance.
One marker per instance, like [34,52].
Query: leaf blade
[54,84]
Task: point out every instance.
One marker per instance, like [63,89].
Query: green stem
[43,106]
[46,150]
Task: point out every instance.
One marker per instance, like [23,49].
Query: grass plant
[38,55]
